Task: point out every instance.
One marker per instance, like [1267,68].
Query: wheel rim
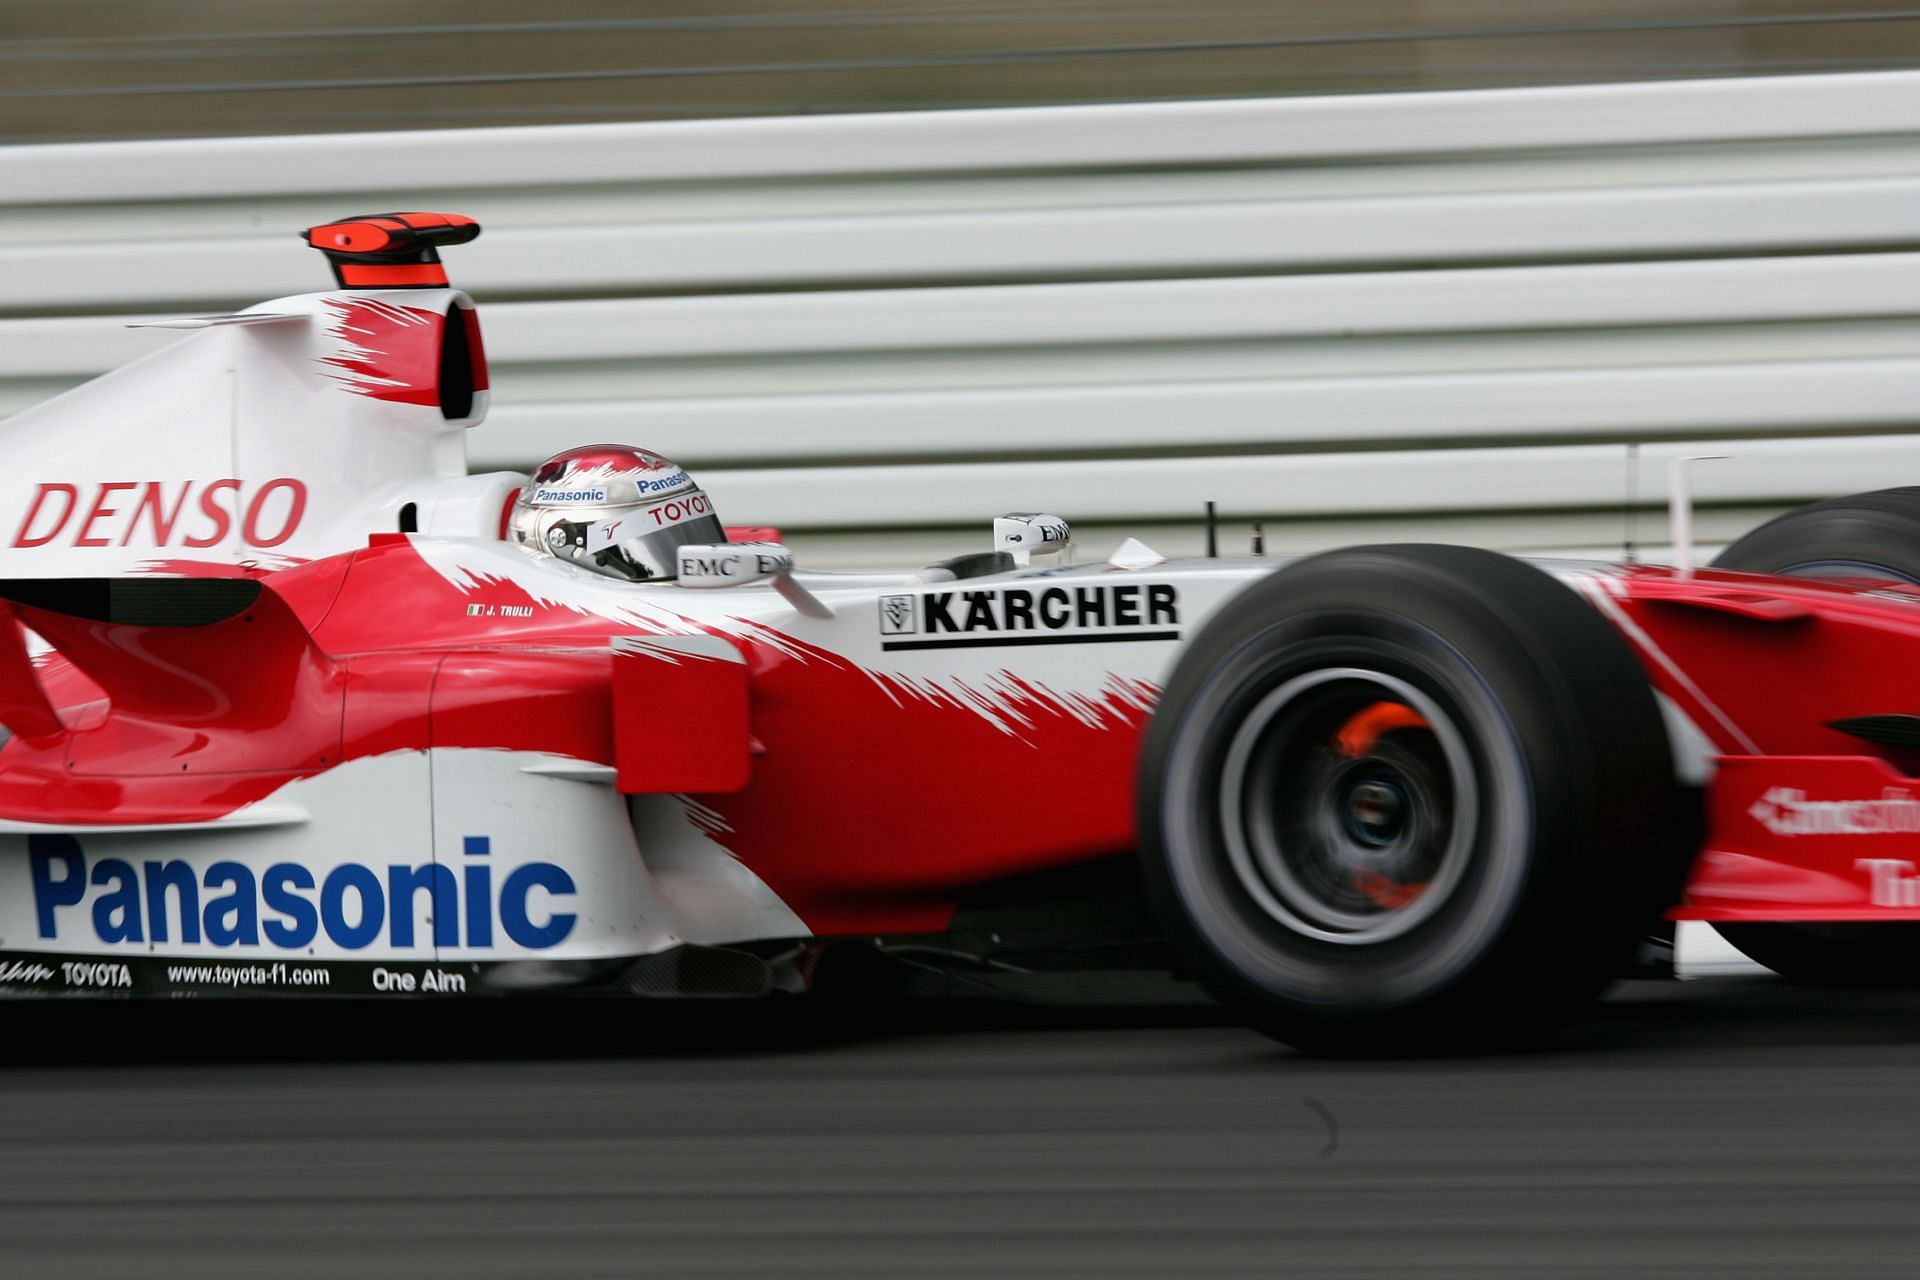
[1348,805]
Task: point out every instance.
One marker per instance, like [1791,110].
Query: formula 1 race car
[297,707]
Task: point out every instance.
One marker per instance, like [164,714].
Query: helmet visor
[643,544]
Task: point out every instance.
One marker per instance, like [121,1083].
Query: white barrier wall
[1421,315]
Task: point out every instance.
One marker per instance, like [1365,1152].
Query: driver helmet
[614,509]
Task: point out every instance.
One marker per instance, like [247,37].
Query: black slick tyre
[1864,535]
[1407,799]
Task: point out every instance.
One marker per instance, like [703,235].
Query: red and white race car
[296,706]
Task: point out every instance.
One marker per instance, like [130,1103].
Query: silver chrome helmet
[614,509]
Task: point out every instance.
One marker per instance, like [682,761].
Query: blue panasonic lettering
[302,921]
[233,918]
[479,893]
[521,881]
[444,897]
[176,875]
[333,914]
[230,904]
[123,902]
[43,853]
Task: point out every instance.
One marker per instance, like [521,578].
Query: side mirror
[1027,533]
[705,566]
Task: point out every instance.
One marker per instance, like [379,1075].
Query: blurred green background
[80,69]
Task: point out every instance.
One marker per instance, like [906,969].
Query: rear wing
[285,432]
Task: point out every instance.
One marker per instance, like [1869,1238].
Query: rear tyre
[1407,799]
[1865,535]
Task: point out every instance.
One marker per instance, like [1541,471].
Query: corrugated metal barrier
[1486,316]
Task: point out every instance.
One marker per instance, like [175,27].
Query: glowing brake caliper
[1356,739]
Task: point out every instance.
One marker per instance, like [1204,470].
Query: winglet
[24,707]
[390,250]
[220,322]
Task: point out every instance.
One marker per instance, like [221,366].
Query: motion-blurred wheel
[1407,798]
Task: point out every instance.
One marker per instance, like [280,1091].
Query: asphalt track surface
[1725,1128]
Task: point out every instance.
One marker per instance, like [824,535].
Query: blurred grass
[73,69]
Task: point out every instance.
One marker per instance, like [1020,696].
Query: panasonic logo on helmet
[288,906]
[674,481]
[565,496]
